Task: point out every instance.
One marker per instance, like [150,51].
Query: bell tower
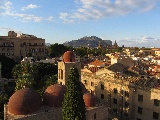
[65,65]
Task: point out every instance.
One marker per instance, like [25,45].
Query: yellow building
[17,47]
[128,98]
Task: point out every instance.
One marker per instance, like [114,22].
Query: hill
[92,41]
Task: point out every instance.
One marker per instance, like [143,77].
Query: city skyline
[130,22]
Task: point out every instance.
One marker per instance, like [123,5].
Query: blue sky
[129,22]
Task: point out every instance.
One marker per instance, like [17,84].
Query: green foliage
[23,73]
[7,66]
[34,75]
[56,50]
[42,72]
[21,69]
[73,107]
[3,100]
[50,80]
[24,80]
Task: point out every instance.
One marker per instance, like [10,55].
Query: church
[27,104]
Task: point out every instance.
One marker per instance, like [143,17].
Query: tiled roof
[97,63]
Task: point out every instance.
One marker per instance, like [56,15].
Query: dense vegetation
[37,76]
[56,50]
[7,66]
[73,107]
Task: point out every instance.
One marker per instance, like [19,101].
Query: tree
[24,80]
[7,66]
[3,100]
[56,50]
[24,75]
[73,107]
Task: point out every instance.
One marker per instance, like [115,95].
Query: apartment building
[17,47]
[128,98]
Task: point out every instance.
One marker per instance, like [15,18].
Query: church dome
[89,100]
[53,96]
[24,101]
[69,57]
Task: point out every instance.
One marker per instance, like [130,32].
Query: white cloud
[143,41]
[97,9]
[7,10]
[30,6]
[63,16]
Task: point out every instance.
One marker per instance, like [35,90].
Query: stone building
[17,47]
[26,104]
[127,98]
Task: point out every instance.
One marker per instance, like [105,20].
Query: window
[126,94]
[121,92]
[156,102]
[114,100]
[155,115]
[126,104]
[140,109]
[95,116]
[126,114]
[115,90]
[92,83]
[140,98]
[61,74]
[102,87]
[114,110]
[102,96]
[138,119]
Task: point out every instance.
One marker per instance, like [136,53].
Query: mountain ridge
[91,41]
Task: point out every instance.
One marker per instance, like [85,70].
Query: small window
[114,110]
[102,96]
[156,102]
[126,94]
[155,115]
[70,60]
[95,116]
[140,109]
[126,104]
[102,87]
[61,74]
[114,100]
[138,119]
[126,114]
[92,83]
[140,98]
[115,90]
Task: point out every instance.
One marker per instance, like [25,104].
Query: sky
[130,22]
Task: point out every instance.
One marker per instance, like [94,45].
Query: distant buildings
[17,47]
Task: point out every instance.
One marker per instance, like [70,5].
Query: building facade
[17,47]
[128,98]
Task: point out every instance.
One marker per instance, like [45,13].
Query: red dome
[24,101]
[69,57]
[53,96]
[89,100]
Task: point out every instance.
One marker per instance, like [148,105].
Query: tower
[65,65]
[115,44]
[99,44]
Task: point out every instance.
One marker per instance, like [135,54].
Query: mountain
[92,41]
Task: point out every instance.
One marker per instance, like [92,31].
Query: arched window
[61,74]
